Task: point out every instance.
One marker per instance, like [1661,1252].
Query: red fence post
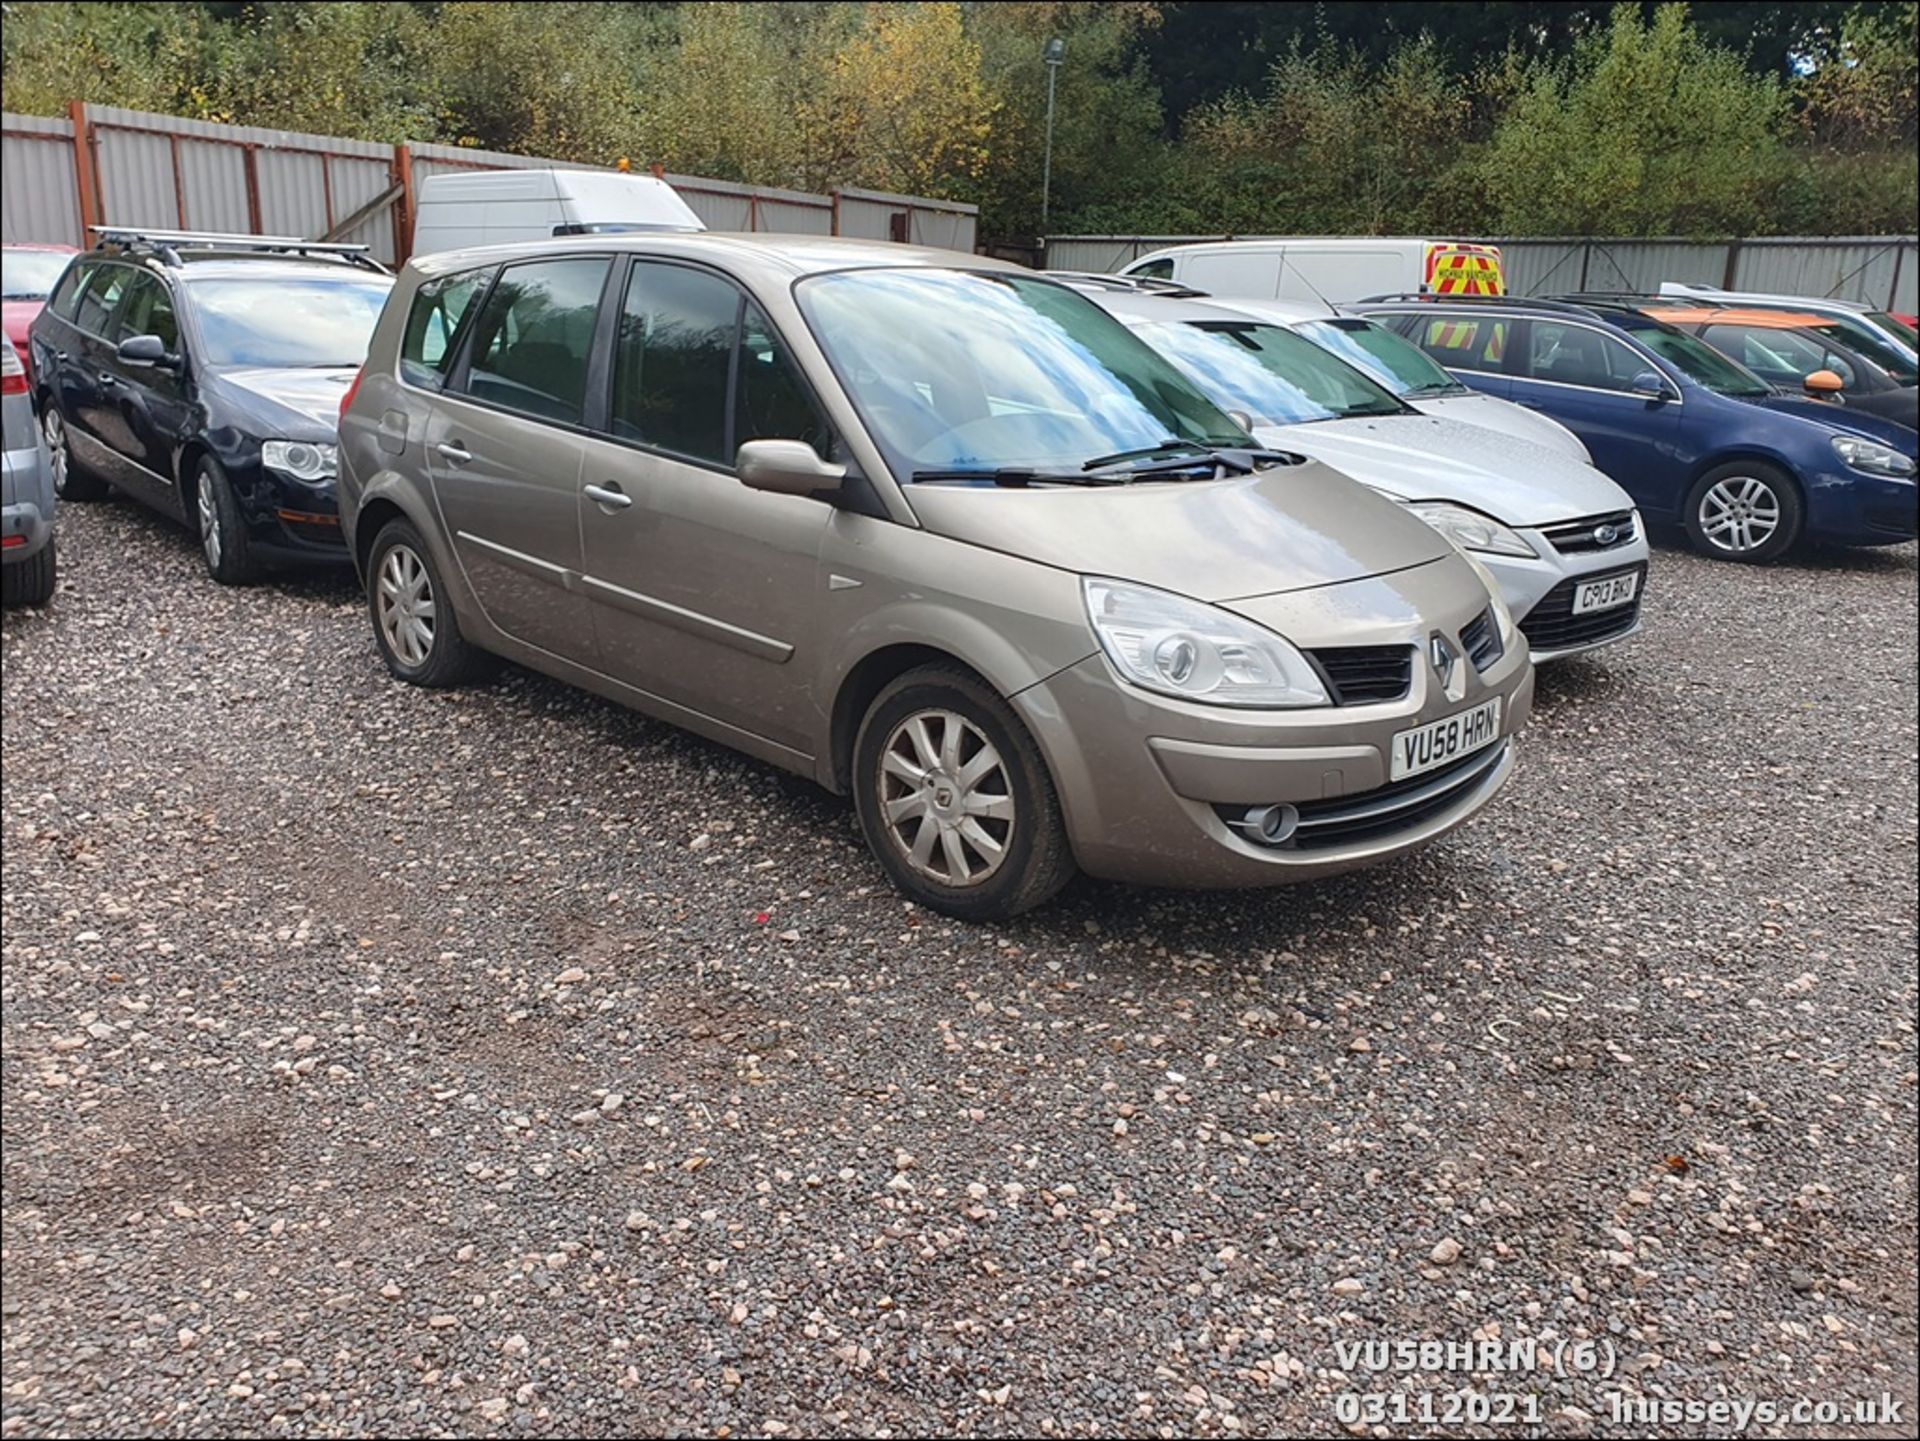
[403,207]
[85,180]
[835,194]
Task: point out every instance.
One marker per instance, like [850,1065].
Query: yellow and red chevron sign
[1464,270]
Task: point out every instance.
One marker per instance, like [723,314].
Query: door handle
[454,451]
[609,495]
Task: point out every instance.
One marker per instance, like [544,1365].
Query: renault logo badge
[1444,657]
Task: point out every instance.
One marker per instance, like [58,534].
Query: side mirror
[1652,384]
[144,351]
[1823,384]
[787,467]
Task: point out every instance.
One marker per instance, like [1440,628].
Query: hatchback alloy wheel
[1739,514]
[947,799]
[403,601]
[55,430]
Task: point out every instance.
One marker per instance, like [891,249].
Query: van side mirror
[1823,384]
[144,351]
[787,467]
[1653,385]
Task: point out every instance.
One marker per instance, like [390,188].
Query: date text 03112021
[1522,1356]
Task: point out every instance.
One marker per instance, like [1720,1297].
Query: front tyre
[224,544]
[1747,511]
[955,799]
[413,621]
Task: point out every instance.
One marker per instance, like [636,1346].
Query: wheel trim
[209,513]
[404,605]
[1739,514]
[54,429]
[946,798]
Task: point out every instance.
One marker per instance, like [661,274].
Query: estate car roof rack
[167,244]
[1492,302]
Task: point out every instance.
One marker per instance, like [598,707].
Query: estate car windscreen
[969,371]
[1396,362]
[285,323]
[1276,376]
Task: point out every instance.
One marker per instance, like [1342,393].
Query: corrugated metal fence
[1883,270]
[99,166]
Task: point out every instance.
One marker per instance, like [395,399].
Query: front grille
[1578,537]
[1362,674]
[1481,637]
[1552,625]
[1398,806]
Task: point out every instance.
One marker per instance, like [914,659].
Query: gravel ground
[500,1062]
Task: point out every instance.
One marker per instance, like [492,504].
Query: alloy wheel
[54,429]
[946,798]
[1739,514]
[209,513]
[403,602]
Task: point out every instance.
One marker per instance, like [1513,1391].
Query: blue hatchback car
[1692,436]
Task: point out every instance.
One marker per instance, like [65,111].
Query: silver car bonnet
[1492,413]
[1290,528]
[1423,457]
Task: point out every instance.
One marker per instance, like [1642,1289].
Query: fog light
[1270,825]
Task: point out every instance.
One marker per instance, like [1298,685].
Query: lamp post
[1053,54]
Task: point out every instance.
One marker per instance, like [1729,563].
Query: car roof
[52,245]
[203,266]
[774,255]
[1141,308]
[1733,315]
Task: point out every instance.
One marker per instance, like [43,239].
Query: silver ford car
[931,530]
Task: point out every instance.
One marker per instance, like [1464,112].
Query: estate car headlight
[301,459]
[1872,457]
[1502,612]
[1469,529]
[1198,652]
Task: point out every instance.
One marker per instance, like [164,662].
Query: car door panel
[504,446]
[1579,376]
[87,398]
[147,408]
[701,588]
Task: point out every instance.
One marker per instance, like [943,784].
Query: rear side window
[673,360]
[532,342]
[1464,342]
[102,294]
[147,309]
[1153,270]
[433,325]
[66,296]
[1579,355]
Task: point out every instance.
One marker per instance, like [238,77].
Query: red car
[28,274]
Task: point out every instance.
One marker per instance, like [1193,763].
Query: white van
[496,207]
[1334,271]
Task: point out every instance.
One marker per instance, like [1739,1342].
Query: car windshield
[965,370]
[288,322]
[1397,363]
[30,274]
[1893,359]
[1274,375]
[1702,363]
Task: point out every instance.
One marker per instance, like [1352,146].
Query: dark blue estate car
[1691,435]
[203,375]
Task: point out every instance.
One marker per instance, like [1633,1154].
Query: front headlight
[1469,529]
[1180,647]
[1872,457]
[301,459]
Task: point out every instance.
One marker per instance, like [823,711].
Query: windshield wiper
[1214,460]
[1434,387]
[1019,476]
[1182,447]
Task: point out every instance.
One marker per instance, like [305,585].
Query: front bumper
[294,521]
[1849,507]
[1538,589]
[26,518]
[1147,783]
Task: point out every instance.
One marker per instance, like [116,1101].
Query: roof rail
[169,243]
[1491,302]
[1149,284]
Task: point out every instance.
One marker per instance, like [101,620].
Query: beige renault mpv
[930,529]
